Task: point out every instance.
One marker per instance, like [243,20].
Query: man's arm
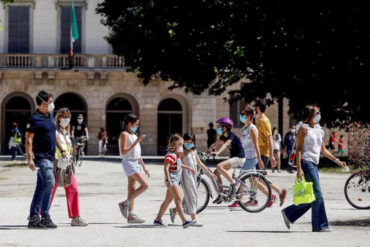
[29,148]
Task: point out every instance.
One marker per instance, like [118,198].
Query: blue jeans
[14,151]
[319,219]
[44,188]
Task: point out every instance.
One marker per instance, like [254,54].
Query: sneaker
[251,203]
[198,224]
[188,223]
[325,230]
[133,218]
[234,205]
[286,220]
[35,223]
[282,197]
[124,206]
[172,214]
[218,200]
[78,222]
[272,200]
[48,223]
[159,223]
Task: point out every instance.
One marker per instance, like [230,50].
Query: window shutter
[19,29]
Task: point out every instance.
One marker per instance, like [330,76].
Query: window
[19,29]
[65,32]
[236,106]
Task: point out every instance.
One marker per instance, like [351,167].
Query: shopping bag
[303,192]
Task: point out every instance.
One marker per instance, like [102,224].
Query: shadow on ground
[362,222]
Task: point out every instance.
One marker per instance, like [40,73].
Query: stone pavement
[102,184]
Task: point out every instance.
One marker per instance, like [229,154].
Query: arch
[173,117]
[75,103]
[16,107]
[118,106]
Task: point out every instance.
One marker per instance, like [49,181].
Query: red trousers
[72,197]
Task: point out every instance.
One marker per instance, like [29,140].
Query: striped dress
[189,184]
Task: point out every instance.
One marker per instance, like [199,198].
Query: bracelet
[337,161]
[62,151]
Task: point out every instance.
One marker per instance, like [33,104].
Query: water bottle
[345,169]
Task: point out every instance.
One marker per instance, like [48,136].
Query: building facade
[34,45]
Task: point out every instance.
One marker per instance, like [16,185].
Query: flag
[74,30]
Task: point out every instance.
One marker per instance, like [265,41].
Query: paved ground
[102,185]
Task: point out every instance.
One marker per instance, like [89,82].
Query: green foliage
[309,52]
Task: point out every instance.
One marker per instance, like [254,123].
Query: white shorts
[236,162]
[131,166]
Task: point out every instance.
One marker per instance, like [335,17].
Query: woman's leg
[178,201]
[165,203]
[132,191]
[72,198]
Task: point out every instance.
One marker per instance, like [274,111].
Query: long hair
[273,131]
[172,142]
[60,113]
[308,113]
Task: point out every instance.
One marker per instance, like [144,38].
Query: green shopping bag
[303,191]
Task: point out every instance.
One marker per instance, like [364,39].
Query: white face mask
[79,121]
[317,118]
[51,107]
[64,122]
[180,149]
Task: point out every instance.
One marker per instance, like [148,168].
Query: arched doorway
[16,108]
[75,103]
[170,121]
[117,109]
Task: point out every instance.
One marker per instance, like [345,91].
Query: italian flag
[74,30]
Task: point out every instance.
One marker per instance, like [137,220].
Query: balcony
[61,61]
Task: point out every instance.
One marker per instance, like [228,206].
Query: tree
[309,52]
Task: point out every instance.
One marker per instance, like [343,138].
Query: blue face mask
[133,129]
[219,131]
[242,118]
[189,145]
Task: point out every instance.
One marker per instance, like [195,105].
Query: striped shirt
[174,161]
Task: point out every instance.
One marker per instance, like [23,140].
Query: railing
[80,61]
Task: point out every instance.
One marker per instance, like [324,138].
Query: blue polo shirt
[43,128]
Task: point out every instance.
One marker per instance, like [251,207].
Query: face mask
[64,122]
[189,145]
[79,121]
[292,130]
[133,129]
[219,131]
[180,150]
[51,107]
[242,118]
[317,118]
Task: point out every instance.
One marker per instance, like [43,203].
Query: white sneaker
[133,218]
[78,222]
[124,206]
[198,224]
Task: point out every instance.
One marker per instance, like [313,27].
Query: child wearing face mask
[172,170]
[133,165]
[189,179]
[63,150]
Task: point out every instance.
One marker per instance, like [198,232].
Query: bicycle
[357,189]
[247,183]
[79,152]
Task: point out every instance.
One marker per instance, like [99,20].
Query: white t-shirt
[277,141]
[312,143]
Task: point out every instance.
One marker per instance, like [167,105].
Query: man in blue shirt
[40,147]
[288,144]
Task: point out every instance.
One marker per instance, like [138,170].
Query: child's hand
[192,170]
[147,172]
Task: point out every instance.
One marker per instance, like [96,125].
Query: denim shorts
[175,178]
[250,164]
[131,166]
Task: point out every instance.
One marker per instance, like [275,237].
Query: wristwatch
[62,151]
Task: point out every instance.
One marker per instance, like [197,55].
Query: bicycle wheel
[249,195]
[357,190]
[204,193]
[79,157]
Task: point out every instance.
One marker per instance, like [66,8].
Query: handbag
[303,192]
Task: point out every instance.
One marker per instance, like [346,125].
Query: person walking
[265,142]
[332,141]
[172,171]
[288,145]
[102,141]
[40,146]
[211,134]
[15,141]
[277,147]
[133,165]
[309,145]
[188,179]
[64,151]
[340,146]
